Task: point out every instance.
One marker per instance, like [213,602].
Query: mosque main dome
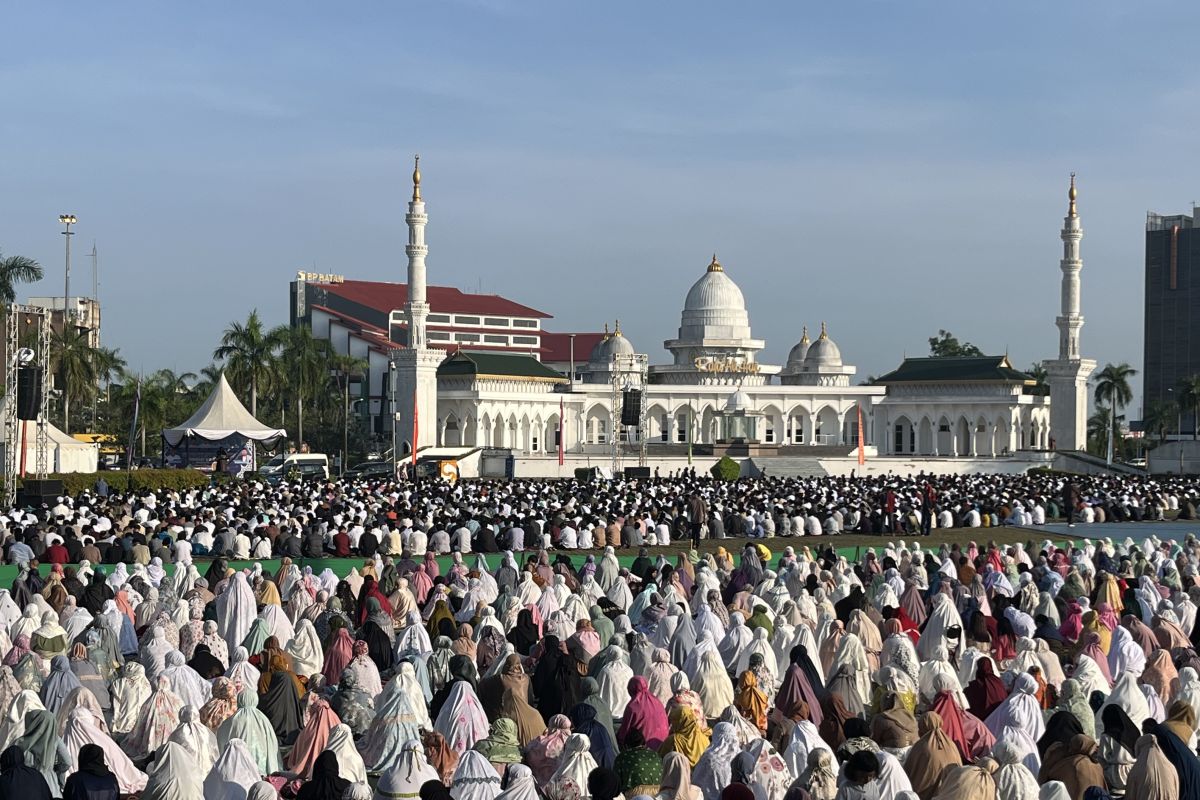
[714,308]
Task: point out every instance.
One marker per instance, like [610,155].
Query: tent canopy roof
[220,416]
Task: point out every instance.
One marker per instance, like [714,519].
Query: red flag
[862,453]
[416,428]
[560,431]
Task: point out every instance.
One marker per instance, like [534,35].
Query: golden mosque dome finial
[714,265]
[417,177]
[804,336]
[823,335]
[617,329]
[1072,194]
[606,333]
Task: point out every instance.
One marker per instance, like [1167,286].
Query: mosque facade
[711,396]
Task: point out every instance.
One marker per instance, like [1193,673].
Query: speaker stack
[29,392]
[631,408]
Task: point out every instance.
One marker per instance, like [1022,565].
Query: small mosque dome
[823,353]
[738,402]
[799,352]
[612,345]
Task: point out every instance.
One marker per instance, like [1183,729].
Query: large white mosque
[711,397]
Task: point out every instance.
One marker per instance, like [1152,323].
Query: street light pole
[68,220]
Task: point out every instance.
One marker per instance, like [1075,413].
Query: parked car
[304,463]
[369,469]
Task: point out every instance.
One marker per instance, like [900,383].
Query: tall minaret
[1068,374]
[417,309]
[416,365]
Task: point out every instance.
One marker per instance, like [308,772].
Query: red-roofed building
[365,319]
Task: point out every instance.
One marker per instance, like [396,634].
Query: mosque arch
[826,426]
[903,437]
[596,423]
[980,437]
[773,428]
[468,432]
[1000,436]
[524,432]
[658,423]
[681,427]
[799,425]
[850,427]
[943,442]
[963,437]
[925,437]
[709,423]
[451,431]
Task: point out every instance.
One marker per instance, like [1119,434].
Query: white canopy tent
[222,415]
[63,453]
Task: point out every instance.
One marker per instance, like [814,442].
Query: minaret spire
[1070,321]
[417,309]
[416,404]
[1068,374]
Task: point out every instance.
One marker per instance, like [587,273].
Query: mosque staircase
[788,466]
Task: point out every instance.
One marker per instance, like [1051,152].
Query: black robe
[281,705]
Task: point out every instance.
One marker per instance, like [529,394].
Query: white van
[309,465]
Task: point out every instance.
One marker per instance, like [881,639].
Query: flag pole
[415,431]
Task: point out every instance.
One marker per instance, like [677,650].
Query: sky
[890,168]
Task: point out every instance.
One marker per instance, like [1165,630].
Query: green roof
[499,365]
[953,369]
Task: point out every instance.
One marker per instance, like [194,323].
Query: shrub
[726,469]
[75,483]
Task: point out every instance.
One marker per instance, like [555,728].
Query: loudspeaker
[637,472]
[631,407]
[29,392]
[38,492]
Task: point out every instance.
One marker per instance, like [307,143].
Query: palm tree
[1158,418]
[73,359]
[1038,372]
[14,270]
[206,380]
[109,365]
[1189,397]
[248,351]
[1112,387]
[304,362]
[1099,427]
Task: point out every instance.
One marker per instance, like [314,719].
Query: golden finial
[617,329]
[715,266]
[804,335]
[606,333]
[1072,194]
[416,178]
[823,335]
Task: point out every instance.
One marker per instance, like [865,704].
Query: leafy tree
[73,360]
[14,270]
[1038,372]
[1112,389]
[248,351]
[946,345]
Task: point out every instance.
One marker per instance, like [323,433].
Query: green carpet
[342,566]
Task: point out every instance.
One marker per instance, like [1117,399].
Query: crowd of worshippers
[1014,673]
[251,520]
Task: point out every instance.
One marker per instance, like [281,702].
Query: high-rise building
[1171,339]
